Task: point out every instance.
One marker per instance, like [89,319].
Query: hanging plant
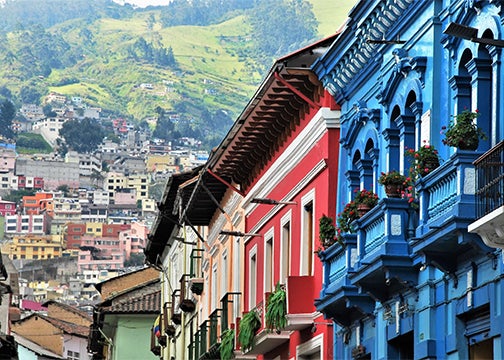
[227,344]
[276,309]
[249,324]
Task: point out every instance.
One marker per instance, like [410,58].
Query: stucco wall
[132,339]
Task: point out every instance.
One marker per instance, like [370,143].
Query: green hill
[115,57]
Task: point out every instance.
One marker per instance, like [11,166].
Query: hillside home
[27,224]
[7,208]
[33,247]
[54,173]
[38,203]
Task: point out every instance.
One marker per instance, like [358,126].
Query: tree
[7,113]
[83,136]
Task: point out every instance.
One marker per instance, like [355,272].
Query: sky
[144,3]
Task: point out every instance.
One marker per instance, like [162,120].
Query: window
[213,299]
[268,262]
[306,261]
[73,355]
[285,240]
[224,274]
[252,277]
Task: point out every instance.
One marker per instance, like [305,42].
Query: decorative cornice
[375,26]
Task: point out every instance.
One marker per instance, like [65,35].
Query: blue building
[419,279]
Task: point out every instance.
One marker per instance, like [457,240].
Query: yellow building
[94,228]
[139,182]
[160,163]
[33,247]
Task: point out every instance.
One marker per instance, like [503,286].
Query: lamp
[470,33]
[237,233]
[183,241]
[271,201]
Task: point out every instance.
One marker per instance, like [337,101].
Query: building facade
[410,280]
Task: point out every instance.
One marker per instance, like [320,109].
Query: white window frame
[252,278]
[307,347]
[285,265]
[303,266]
[269,274]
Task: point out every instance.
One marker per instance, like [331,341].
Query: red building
[7,208]
[294,187]
[73,235]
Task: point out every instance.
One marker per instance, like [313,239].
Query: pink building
[97,253]
[134,239]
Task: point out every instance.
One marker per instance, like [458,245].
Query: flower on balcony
[354,209]
[391,178]
[327,231]
[393,181]
[424,160]
[462,131]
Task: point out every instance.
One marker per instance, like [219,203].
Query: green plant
[249,324]
[276,309]
[391,178]
[327,231]
[462,131]
[227,344]
[350,213]
[366,197]
[423,161]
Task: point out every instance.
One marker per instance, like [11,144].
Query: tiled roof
[64,326]
[69,308]
[144,299]
[67,327]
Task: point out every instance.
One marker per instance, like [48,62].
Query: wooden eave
[266,126]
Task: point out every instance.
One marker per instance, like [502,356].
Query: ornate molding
[374,27]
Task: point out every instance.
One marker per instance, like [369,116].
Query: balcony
[447,207]
[301,311]
[209,346]
[384,266]
[340,300]
[490,197]
[266,340]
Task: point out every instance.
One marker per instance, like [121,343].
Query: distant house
[7,208]
[63,331]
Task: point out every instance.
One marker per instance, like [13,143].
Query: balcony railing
[266,340]
[490,180]
[339,299]
[384,265]
[230,304]
[490,197]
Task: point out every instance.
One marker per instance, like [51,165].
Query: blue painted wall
[412,282]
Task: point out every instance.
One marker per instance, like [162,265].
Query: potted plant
[276,309]
[249,324]
[187,305]
[463,132]
[365,201]
[327,231]
[227,344]
[393,181]
[424,160]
